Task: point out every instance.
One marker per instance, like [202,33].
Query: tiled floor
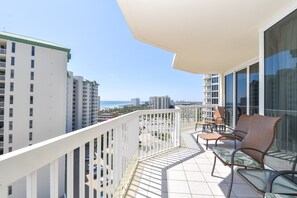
[185,172]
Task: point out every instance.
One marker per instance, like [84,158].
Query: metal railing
[2,64]
[117,145]
[2,91]
[2,76]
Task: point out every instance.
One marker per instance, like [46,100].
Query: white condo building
[82,102]
[135,102]
[211,88]
[33,77]
[160,102]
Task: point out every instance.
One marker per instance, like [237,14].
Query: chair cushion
[240,158]
[272,195]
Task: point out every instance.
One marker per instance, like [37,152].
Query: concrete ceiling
[206,36]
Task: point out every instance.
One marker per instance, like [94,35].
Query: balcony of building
[2,64]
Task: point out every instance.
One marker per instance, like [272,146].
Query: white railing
[108,154]
[2,51]
[158,131]
[190,114]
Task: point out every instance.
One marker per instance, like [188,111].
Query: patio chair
[253,147]
[239,132]
[218,120]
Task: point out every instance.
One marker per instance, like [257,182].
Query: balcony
[157,145]
[2,51]
[2,64]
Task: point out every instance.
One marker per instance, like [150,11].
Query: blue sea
[113,104]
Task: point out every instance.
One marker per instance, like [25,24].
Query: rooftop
[33,41]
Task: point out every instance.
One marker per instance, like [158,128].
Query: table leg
[206,144]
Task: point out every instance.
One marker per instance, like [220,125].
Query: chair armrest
[227,136]
[275,175]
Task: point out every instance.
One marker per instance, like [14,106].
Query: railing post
[82,169]
[177,129]
[31,181]
[3,192]
[70,175]
[54,179]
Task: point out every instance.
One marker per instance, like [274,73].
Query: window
[280,52]
[32,76]
[30,124]
[13,47]
[9,149]
[33,51]
[215,80]
[214,101]
[215,94]
[10,138]
[241,94]
[254,89]
[12,73]
[31,87]
[215,87]
[10,112]
[32,63]
[12,60]
[10,99]
[31,99]
[31,112]
[30,136]
[11,86]
[229,100]
[10,126]
[10,187]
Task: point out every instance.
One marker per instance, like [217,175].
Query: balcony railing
[2,51]
[117,145]
[190,114]
[2,64]
[2,91]
[2,76]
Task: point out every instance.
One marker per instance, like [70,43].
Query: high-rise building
[211,91]
[160,102]
[135,102]
[82,105]
[33,84]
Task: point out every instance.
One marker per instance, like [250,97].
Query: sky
[102,48]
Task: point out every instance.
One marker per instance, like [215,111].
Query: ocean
[113,104]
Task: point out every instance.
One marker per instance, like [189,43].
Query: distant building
[211,91]
[82,106]
[160,102]
[135,102]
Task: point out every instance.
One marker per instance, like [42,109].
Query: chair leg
[214,165]
[231,182]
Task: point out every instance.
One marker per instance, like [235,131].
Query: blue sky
[102,48]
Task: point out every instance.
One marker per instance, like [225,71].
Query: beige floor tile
[199,188]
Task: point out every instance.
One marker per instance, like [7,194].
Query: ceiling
[206,36]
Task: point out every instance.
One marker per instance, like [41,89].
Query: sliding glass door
[229,100]
[241,88]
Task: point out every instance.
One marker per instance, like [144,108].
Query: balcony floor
[185,172]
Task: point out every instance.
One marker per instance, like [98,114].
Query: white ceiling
[206,36]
